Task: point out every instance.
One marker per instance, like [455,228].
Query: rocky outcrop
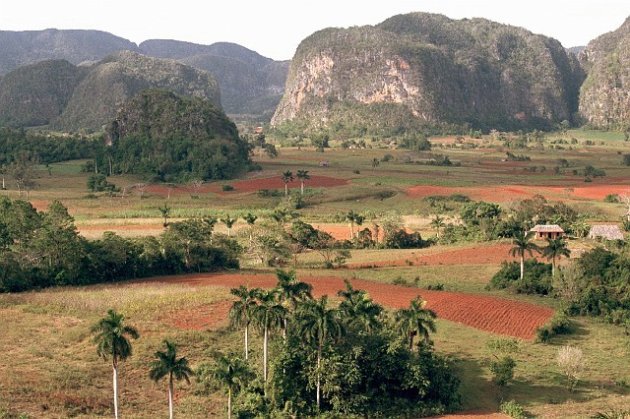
[420,69]
[114,80]
[605,94]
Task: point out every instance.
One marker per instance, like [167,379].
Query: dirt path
[492,314]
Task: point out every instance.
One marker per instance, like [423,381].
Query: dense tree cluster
[40,249]
[17,144]
[350,360]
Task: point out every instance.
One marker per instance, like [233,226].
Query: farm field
[51,369]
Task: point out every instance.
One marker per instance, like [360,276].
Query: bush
[400,239]
[99,183]
[612,198]
[626,160]
[558,325]
[512,409]
[227,188]
[537,278]
[270,193]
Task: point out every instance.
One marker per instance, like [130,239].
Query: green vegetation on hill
[168,137]
[38,93]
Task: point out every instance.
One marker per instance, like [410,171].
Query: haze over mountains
[407,71]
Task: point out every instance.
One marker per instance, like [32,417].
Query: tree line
[352,359]
[41,249]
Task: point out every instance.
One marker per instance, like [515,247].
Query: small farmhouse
[608,232]
[547,231]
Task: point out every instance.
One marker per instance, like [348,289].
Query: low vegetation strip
[492,314]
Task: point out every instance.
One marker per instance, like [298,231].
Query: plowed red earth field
[494,254]
[250,185]
[492,314]
[505,193]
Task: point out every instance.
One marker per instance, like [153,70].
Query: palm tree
[358,309]
[416,320]
[233,374]
[166,213]
[286,178]
[111,340]
[317,323]
[241,311]
[358,220]
[351,216]
[556,248]
[267,316]
[291,292]
[523,244]
[167,364]
[375,163]
[279,215]
[250,219]
[302,175]
[229,222]
[437,223]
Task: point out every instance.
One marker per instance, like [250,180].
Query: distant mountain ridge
[251,84]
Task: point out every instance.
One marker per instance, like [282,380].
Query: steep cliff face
[250,83]
[605,94]
[111,82]
[428,69]
[38,93]
[28,47]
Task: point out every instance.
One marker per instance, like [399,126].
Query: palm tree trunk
[351,230]
[229,402]
[285,328]
[522,267]
[553,267]
[115,379]
[410,342]
[302,188]
[265,355]
[246,340]
[286,189]
[170,395]
[319,357]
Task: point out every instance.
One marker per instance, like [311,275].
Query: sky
[274,28]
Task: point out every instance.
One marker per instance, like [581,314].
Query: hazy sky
[274,28]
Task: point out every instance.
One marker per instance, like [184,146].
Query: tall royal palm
[291,292]
[241,311]
[437,223]
[168,365]
[303,176]
[268,315]
[555,249]
[415,321]
[358,310]
[250,219]
[233,374]
[287,177]
[111,338]
[523,244]
[317,323]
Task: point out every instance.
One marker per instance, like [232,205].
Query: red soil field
[491,314]
[249,185]
[506,193]
[484,255]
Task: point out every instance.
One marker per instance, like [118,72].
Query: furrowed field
[50,367]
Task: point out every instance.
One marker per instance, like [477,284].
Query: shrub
[436,287]
[612,198]
[227,188]
[560,324]
[626,160]
[537,278]
[512,409]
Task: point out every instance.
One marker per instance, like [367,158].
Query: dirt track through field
[491,314]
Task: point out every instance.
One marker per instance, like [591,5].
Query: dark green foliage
[16,144]
[400,239]
[502,370]
[560,324]
[168,137]
[99,183]
[626,160]
[537,279]
[44,249]
[612,198]
[415,142]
